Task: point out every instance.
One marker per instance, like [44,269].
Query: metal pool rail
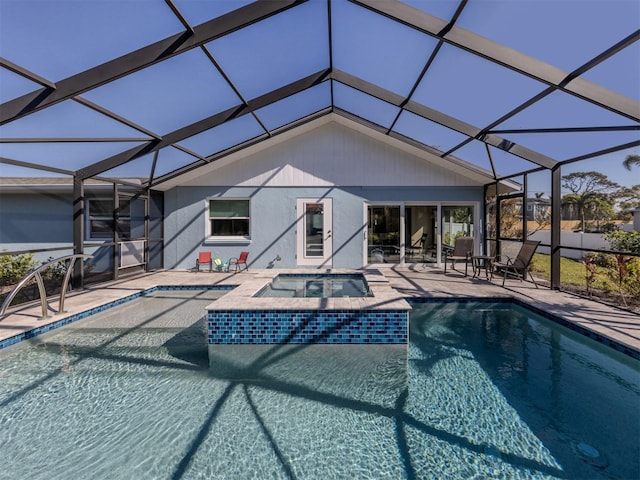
[43,294]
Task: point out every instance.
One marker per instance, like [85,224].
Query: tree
[631,160]
[511,218]
[601,211]
[541,214]
[628,198]
[588,191]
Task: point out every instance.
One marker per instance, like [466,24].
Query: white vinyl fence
[588,241]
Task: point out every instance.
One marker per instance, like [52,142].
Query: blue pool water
[316,286]
[482,391]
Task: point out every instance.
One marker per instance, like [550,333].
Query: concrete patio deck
[621,326]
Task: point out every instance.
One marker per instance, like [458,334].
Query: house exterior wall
[34,220]
[330,155]
[331,161]
[349,166]
[40,216]
[273,220]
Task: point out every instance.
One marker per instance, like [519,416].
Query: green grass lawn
[572,272]
[573,278]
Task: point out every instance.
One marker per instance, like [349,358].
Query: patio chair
[204,258]
[419,249]
[520,265]
[462,252]
[237,262]
[221,266]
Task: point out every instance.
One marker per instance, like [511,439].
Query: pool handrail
[43,294]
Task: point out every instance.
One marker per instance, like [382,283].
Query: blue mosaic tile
[307,326]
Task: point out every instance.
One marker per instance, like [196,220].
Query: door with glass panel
[314,232]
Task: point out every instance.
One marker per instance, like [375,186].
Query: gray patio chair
[462,252]
[519,266]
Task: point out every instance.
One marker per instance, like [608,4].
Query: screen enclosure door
[314,235]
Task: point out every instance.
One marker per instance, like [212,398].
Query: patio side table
[482,262]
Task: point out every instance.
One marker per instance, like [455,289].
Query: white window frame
[235,239]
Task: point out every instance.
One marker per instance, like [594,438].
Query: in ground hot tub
[319,285]
[305,307]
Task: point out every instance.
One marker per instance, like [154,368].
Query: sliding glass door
[383,234]
[420,233]
[409,233]
[457,221]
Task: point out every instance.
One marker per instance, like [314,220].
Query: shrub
[14,267]
[627,242]
[601,259]
[627,272]
[54,273]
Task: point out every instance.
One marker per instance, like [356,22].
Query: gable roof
[251,93]
[341,151]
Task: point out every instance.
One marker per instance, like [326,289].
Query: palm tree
[631,160]
[584,202]
[587,191]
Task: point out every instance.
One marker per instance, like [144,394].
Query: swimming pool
[316,286]
[483,389]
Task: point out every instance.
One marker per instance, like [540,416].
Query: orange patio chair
[239,261]
[204,258]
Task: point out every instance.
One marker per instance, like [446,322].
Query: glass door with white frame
[314,235]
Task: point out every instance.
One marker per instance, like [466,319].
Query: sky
[57,39]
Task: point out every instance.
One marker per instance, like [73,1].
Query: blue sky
[56,39]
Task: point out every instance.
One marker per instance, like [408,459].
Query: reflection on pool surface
[333,285]
[483,391]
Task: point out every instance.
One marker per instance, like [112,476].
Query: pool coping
[385,297]
[231,282]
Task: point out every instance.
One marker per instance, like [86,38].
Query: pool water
[482,391]
[317,286]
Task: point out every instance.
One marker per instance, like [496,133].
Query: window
[123,219]
[228,218]
[100,219]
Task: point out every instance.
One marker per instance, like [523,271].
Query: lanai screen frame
[444,33]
